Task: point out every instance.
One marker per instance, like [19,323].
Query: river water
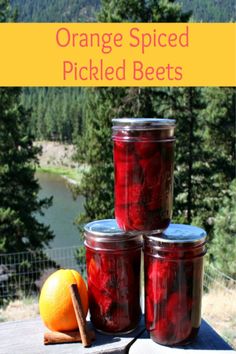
[62,214]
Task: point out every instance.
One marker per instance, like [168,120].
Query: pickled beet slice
[108,264]
[136,217]
[177,307]
[113,289]
[96,277]
[152,170]
[100,281]
[154,200]
[126,167]
[160,280]
[135,194]
[163,272]
[93,269]
[156,291]
[183,330]
[124,151]
[128,171]
[118,317]
[163,332]
[99,303]
[149,312]
[120,199]
[144,150]
[126,274]
[105,303]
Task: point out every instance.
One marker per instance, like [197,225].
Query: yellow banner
[118,54]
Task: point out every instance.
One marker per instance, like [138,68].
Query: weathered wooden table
[26,337]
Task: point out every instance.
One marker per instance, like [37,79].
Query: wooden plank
[207,342]
[26,337]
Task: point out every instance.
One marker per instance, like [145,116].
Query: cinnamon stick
[64,337]
[80,316]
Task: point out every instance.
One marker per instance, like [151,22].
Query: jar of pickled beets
[173,266]
[113,273]
[143,161]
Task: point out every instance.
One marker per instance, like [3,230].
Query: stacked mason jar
[173,253]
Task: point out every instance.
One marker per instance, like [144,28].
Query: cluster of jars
[173,253]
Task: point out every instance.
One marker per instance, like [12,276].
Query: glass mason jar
[113,273]
[143,161]
[173,266]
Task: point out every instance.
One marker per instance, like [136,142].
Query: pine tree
[223,247]
[219,117]
[103,104]
[218,123]
[19,228]
[56,112]
[85,11]
[142,11]
[185,106]
[204,163]
[95,149]
[19,203]
[5,11]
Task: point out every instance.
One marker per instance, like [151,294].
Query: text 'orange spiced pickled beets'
[143,161]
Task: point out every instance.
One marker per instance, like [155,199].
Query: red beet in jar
[143,161]
[173,266]
[113,273]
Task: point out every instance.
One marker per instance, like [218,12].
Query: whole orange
[55,304]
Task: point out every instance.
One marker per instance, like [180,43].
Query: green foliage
[55,11]
[95,148]
[185,105]
[80,256]
[211,10]
[19,228]
[219,119]
[85,11]
[56,112]
[5,11]
[218,132]
[223,247]
[204,163]
[141,11]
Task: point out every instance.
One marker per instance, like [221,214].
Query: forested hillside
[84,10]
[211,10]
[56,112]
[56,10]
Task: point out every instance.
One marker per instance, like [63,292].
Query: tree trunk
[190,156]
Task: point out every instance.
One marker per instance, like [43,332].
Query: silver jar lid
[180,233]
[143,123]
[106,227]
[108,232]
